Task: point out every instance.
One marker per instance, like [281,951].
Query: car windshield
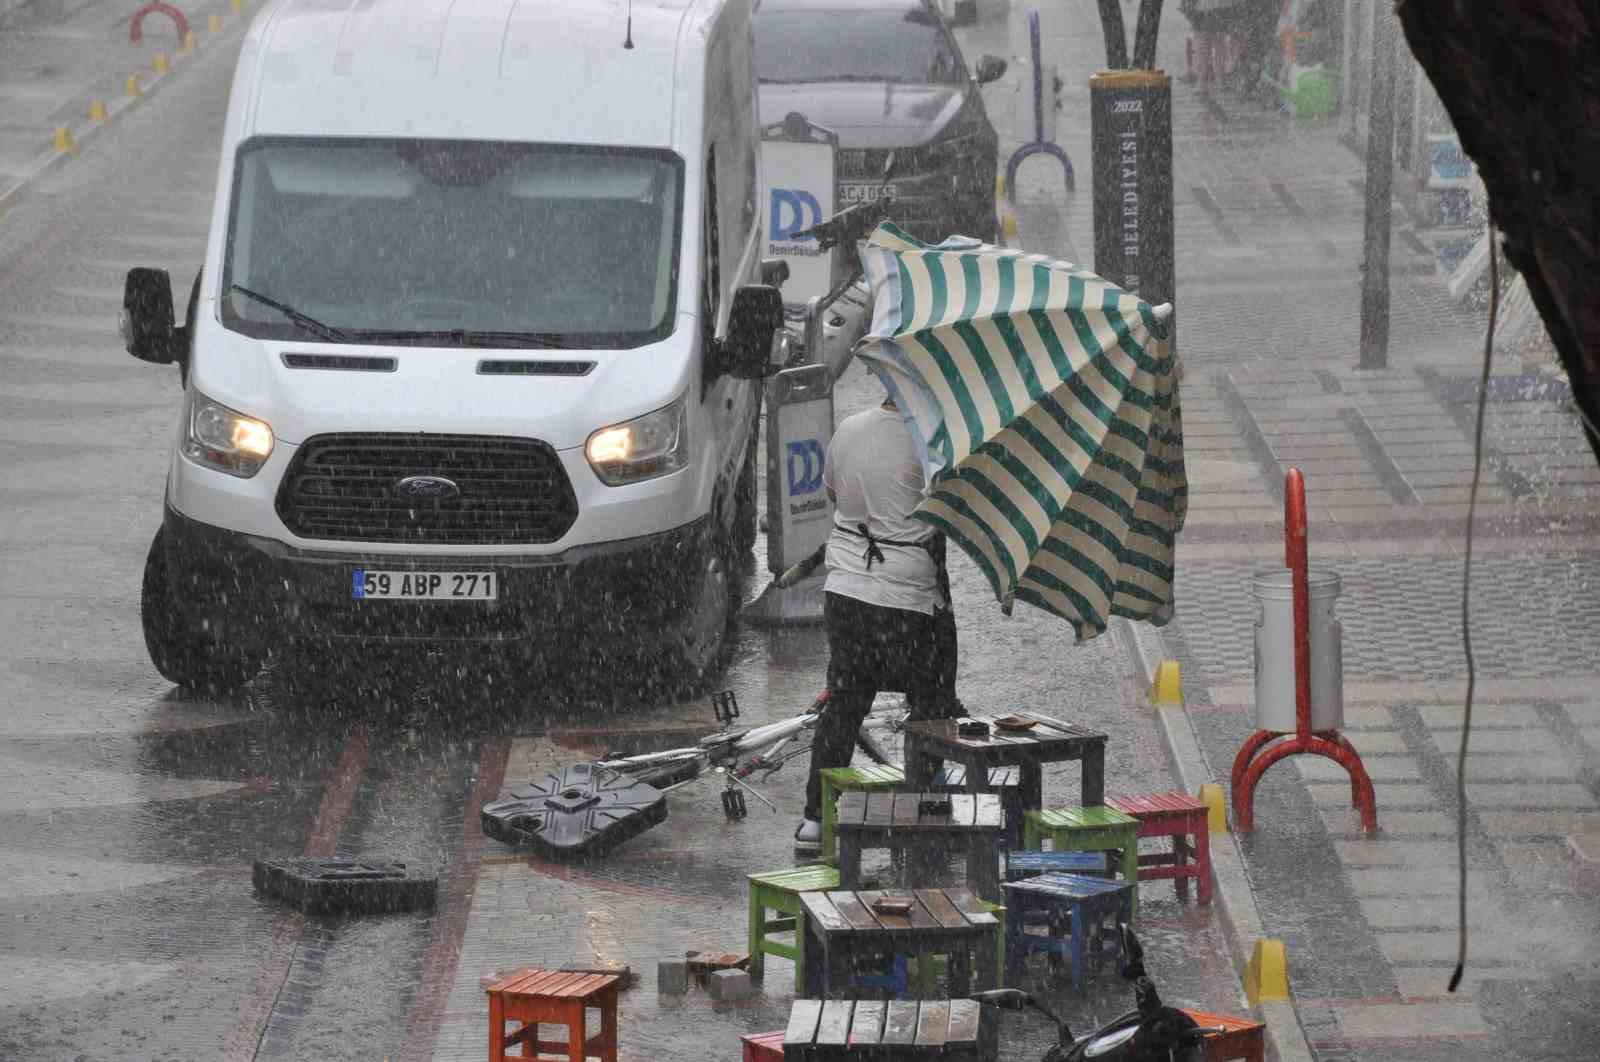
[431,238]
[802,45]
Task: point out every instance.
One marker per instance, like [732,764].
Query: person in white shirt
[887,597]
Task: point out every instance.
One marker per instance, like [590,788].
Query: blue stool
[1021,865]
[1082,915]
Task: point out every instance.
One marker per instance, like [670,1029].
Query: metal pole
[1116,34]
[1380,178]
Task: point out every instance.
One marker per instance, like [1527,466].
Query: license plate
[368,583]
[851,192]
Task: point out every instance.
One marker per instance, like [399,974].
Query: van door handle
[729,405]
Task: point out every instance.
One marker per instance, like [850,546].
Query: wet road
[130,813]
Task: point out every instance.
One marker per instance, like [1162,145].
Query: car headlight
[225,439]
[642,448]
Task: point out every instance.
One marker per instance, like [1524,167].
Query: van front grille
[506,491]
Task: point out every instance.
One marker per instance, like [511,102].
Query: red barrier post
[1247,768]
[136,30]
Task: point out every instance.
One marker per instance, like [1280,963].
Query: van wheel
[186,657]
[703,636]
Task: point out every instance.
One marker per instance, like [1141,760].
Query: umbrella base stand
[1255,756]
[799,605]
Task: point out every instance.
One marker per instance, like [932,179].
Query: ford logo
[432,488]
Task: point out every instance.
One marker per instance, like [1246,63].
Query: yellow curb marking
[97,111]
[1216,808]
[160,64]
[1168,689]
[131,87]
[64,143]
[1266,975]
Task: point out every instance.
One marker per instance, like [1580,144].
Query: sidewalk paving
[56,56]
[1268,215]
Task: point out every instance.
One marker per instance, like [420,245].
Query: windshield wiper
[310,324]
[469,337]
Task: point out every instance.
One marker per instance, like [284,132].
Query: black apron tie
[872,553]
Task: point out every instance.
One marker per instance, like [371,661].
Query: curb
[87,131]
[1286,1040]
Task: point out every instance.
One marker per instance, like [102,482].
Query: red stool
[532,997]
[1240,1038]
[763,1047]
[1180,817]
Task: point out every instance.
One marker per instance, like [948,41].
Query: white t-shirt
[876,479]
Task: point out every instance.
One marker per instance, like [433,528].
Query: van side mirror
[774,271]
[754,318]
[149,330]
[990,68]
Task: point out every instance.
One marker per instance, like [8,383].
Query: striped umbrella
[1044,400]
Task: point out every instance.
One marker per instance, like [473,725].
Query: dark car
[887,75]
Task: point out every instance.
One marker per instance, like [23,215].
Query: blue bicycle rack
[1039,145]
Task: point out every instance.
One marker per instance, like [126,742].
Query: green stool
[1096,829]
[835,780]
[779,891]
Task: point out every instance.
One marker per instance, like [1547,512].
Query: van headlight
[642,448]
[225,439]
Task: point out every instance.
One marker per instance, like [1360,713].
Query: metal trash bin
[1275,696]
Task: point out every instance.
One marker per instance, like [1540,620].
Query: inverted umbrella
[1044,400]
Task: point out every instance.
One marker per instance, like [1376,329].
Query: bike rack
[136,29]
[1247,766]
[1039,145]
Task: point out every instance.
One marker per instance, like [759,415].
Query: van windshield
[433,241]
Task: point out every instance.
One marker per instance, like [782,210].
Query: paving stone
[1448,716]
[1517,855]
[1405,946]
[672,978]
[729,985]
[1502,824]
[1370,742]
[1432,912]
[1533,740]
[1386,881]
[1380,1021]
[1502,765]
[1407,795]
[1379,769]
[1378,853]
[1586,845]
[1346,820]
[1525,795]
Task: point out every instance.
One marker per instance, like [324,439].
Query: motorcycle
[1153,1032]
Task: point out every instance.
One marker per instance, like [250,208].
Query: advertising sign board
[799,426]
[797,193]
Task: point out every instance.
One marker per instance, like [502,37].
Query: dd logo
[805,467]
[793,210]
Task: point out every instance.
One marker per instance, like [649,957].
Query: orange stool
[763,1047]
[1240,1038]
[1178,816]
[532,997]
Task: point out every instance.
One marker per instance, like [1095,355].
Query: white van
[475,351]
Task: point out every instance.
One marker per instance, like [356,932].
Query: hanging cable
[1466,620]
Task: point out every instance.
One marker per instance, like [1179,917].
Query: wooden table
[1048,741]
[919,828]
[956,1029]
[846,930]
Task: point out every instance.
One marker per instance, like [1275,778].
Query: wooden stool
[835,780]
[951,1030]
[763,1047]
[532,997]
[1093,829]
[1007,781]
[1241,1037]
[779,891]
[1076,909]
[1024,864]
[1178,816]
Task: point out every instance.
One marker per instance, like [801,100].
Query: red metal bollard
[1247,768]
[136,30]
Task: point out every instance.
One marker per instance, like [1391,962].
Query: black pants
[873,648]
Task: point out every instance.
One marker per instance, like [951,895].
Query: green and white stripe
[1045,402]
